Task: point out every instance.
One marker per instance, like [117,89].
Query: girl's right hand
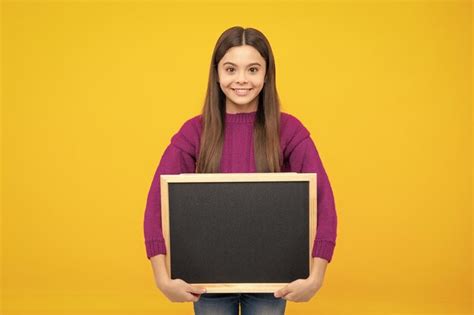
[177,290]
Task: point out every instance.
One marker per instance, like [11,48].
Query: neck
[232,108]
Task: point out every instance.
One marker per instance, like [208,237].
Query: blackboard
[239,232]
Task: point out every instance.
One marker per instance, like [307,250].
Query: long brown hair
[266,133]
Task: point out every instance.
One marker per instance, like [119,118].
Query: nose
[241,79]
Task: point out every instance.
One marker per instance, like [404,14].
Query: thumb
[282,292]
[197,290]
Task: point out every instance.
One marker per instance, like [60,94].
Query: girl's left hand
[301,290]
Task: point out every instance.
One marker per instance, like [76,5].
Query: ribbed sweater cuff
[323,249]
[155,247]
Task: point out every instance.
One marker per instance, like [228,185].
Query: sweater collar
[240,117]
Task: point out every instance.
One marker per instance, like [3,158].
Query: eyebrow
[252,64]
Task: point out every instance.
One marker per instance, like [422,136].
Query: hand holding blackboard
[176,290]
[301,290]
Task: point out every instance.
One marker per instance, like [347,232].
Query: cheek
[224,85]
[259,80]
[259,83]
[225,82]
[223,76]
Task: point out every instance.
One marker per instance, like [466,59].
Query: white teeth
[241,92]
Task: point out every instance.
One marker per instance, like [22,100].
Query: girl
[241,130]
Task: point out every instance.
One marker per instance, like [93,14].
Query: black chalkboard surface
[239,232]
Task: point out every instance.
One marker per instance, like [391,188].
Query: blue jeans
[228,304]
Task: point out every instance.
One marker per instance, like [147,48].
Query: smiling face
[241,75]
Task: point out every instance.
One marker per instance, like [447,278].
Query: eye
[230,68]
[256,69]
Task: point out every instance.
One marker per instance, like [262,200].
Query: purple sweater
[300,155]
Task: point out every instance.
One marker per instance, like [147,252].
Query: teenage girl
[241,130]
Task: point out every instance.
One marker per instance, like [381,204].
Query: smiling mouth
[241,92]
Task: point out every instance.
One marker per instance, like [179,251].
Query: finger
[285,295]
[196,290]
[191,298]
[289,297]
[282,292]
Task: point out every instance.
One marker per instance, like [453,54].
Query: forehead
[242,55]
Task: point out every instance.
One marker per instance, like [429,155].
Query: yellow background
[93,91]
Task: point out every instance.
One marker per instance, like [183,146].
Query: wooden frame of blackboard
[165,180]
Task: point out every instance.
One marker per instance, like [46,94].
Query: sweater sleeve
[304,158]
[179,157]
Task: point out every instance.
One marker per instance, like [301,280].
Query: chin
[242,103]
